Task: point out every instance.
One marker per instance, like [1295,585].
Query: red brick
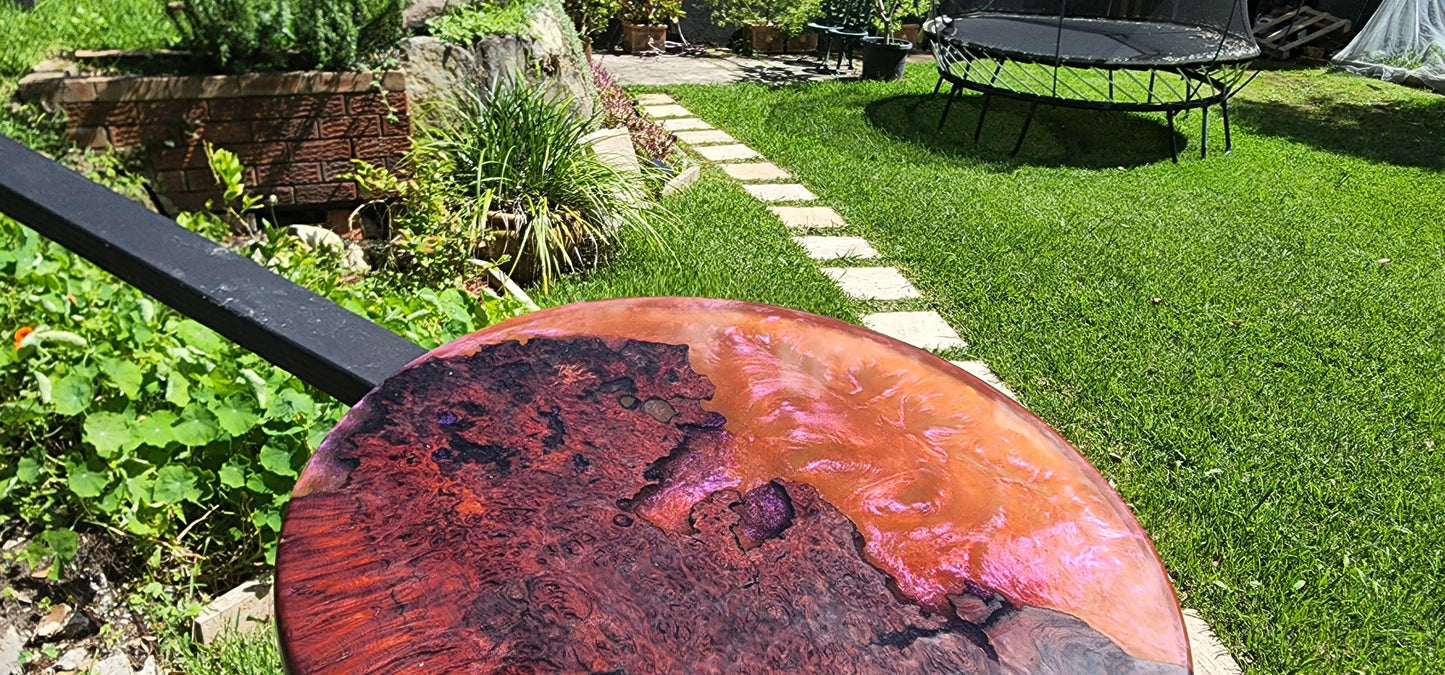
[401,126]
[252,154]
[288,174]
[180,157]
[325,193]
[333,171]
[285,196]
[94,138]
[131,136]
[276,107]
[200,179]
[170,181]
[375,104]
[350,127]
[321,151]
[194,201]
[226,132]
[132,113]
[380,147]
[285,130]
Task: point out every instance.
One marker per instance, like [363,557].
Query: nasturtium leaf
[156,428]
[147,309]
[257,485]
[85,483]
[28,469]
[200,337]
[175,484]
[236,415]
[62,543]
[72,394]
[178,391]
[277,461]
[267,519]
[197,427]
[289,403]
[258,385]
[232,475]
[140,486]
[124,374]
[108,432]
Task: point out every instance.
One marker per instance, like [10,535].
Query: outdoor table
[669,485]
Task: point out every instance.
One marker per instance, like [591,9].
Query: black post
[982,112]
[1033,107]
[324,344]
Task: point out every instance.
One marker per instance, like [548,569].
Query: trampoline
[1164,56]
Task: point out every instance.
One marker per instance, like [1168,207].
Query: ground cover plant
[1250,347]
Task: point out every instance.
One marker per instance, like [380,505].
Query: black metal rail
[324,344]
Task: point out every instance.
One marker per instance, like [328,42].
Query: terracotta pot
[765,39]
[803,44]
[909,32]
[637,39]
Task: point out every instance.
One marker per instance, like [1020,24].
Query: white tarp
[1403,42]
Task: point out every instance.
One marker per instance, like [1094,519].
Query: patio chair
[844,21]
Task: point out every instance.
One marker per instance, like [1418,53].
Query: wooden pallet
[1280,35]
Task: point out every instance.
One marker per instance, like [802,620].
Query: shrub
[465,24]
[513,154]
[651,12]
[791,16]
[649,138]
[248,35]
[591,16]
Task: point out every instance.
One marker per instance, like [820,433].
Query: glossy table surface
[681,485]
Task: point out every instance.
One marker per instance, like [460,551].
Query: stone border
[57,80]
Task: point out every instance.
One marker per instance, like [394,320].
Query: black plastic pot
[884,59]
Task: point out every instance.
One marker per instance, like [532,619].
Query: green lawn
[1277,416]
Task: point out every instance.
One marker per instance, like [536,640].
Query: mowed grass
[727,245]
[1249,346]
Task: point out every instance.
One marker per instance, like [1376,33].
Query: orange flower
[21,334]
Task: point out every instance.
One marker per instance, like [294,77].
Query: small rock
[149,668]
[313,237]
[53,622]
[117,664]
[10,645]
[72,660]
[355,260]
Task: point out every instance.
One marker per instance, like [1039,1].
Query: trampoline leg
[1204,134]
[947,107]
[1027,121]
[1173,142]
[1228,142]
[981,114]
[938,86]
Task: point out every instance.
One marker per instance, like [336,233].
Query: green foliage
[117,412]
[465,24]
[791,17]
[513,161]
[27,36]
[251,653]
[248,35]
[651,12]
[591,16]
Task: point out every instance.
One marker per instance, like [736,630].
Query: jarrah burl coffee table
[671,485]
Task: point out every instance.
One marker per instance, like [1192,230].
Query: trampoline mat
[1097,42]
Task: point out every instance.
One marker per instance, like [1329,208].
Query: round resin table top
[670,485]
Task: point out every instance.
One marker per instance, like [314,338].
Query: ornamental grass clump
[513,160]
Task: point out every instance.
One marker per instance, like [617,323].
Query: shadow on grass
[1402,133]
[1090,139]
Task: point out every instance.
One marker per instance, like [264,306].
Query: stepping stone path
[824,249]
[925,330]
[780,192]
[705,137]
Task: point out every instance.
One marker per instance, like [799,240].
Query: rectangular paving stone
[666,110]
[873,283]
[727,153]
[980,370]
[755,171]
[705,137]
[925,330]
[684,124]
[780,192]
[808,216]
[654,99]
[833,248]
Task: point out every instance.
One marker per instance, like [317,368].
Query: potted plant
[590,16]
[885,56]
[911,23]
[769,26]
[644,23]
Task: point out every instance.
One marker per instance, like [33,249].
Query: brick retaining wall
[296,133]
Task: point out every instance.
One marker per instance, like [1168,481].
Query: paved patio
[720,66]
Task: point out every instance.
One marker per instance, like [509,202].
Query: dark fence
[324,344]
